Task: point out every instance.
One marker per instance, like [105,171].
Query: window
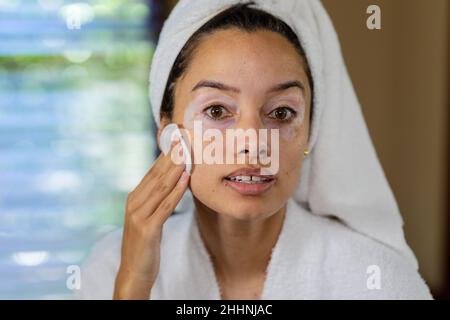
[75,132]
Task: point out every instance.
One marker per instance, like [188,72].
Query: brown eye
[282,114]
[216,112]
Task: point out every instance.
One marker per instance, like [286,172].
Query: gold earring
[305,153]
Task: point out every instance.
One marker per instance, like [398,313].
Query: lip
[249,189]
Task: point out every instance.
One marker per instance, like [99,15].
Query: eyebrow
[221,86]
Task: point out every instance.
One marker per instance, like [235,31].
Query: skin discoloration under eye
[196,111]
[291,103]
[294,103]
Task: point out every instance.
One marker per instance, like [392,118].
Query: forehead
[241,57]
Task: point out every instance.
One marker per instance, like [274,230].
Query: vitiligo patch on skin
[197,110]
[288,130]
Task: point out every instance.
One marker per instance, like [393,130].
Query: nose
[255,144]
[250,119]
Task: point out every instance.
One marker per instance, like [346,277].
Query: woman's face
[252,64]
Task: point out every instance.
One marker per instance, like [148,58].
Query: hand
[148,207]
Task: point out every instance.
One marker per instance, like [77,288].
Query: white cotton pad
[169,134]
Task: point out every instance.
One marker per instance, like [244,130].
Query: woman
[325,225]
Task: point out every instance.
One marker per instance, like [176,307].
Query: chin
[247,207]
[246,215]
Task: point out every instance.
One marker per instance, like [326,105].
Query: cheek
[295,134]
[291,155]
[291,131]
[205,181]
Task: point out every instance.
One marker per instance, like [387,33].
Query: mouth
[249,181]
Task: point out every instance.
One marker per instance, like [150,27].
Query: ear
[164,122]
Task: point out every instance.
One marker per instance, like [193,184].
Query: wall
[400,75]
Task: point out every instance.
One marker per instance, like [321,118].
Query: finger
[169,204]
[157,188]
[149,198]
[161,165]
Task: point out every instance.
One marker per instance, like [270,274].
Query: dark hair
[240,16]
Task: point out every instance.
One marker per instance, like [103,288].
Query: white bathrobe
[314,258]
[343,232]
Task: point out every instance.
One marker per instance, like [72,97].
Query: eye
[283,114]
[216,112]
